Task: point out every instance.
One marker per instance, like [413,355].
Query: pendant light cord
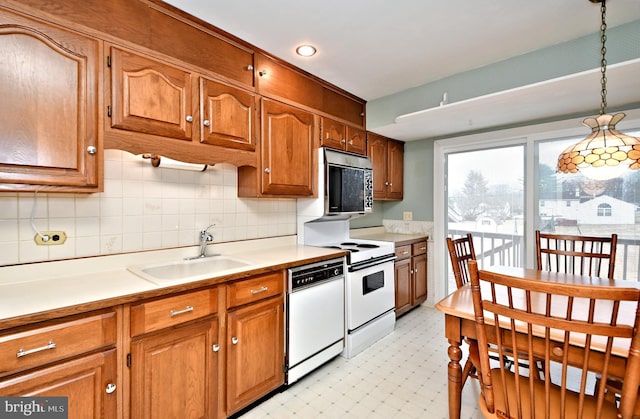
[603,61]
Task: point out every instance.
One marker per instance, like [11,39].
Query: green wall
[582,54]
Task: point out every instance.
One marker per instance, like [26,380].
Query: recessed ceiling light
[306,50]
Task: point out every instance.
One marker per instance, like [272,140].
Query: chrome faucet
[205,238]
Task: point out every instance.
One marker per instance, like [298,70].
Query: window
[487,200]
[604,210]
[571,204]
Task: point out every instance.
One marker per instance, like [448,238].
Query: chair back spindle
[461,251]
[534,320]
[582,255]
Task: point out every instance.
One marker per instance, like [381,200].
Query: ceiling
[374,48]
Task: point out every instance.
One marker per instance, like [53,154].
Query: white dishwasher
[315,316]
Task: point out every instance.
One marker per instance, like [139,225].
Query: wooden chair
[584,255]
[461,251]
[546,315]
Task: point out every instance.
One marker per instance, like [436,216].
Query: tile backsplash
[142,208]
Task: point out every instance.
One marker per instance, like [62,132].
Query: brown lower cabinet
[255,356]
[186,362]
[410,275]
[204,353]
[87,382]
[174,372]
[75,357]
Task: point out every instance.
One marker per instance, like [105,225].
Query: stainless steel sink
[188,269]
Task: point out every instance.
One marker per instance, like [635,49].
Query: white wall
[141,208]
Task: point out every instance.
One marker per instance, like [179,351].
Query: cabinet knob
[249,67]
[267,170]
[386,184]
[215,347]
[343,141]
[262,73]
[350,142]
[234,340]
[110,388]
[206,123]
[92,150]
[415,270]
[189,118]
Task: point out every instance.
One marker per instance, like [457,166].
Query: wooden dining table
[460,321]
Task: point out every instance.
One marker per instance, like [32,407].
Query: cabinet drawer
[403,252]
[170,311]
[42,345]
[419,248]
[255,289]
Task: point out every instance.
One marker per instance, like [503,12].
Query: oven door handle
[373,262]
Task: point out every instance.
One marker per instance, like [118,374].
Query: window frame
[528,135]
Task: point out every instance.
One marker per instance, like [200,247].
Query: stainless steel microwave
[348,183]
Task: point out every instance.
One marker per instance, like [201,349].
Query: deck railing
[508,249]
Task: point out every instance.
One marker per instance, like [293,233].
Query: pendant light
[605,153]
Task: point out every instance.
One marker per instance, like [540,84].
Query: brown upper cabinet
[165,103]
[343,137]
[287,160]
[49,137]
[280,81]
[160,82]
[387,159]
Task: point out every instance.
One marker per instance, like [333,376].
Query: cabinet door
[403,286]
[356,140]
[377,151]
[419,279]
[48,118]
[89,383]
[333,134]
[287,150]
[255,355]
[395,169]
[227,116]
[150,97]
[174,373]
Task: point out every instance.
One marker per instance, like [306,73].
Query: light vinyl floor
[403,375]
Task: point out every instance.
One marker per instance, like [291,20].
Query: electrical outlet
[407,216]
[50,238]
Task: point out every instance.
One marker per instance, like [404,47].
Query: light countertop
[50,289]
[382,235]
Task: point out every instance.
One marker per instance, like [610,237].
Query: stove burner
[333,247]
[367,246]
[349,244]
[353,250]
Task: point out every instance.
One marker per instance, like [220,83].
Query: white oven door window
[370,293]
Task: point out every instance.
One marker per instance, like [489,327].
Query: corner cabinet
[163,109]
[387,158]
[287,160]
[49,137]
[410,275]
